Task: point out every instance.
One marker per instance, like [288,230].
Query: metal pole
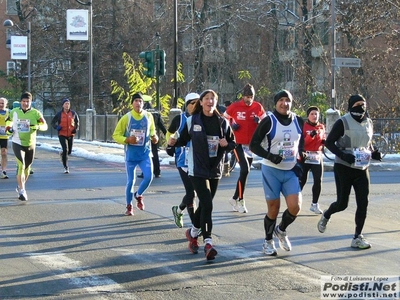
[175,53]
[333,13]
[90,56]
[29,57]
[158,107]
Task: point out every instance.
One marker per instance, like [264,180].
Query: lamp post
[333,70]
[90,112]
[90,13]
[9,23]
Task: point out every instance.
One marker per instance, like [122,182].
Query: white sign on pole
[344,62]
[19,47]
[77,24]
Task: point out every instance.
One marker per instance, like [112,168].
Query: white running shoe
[360,243]
[22,195]
[234,204]
[269,248]
[322,224]
[284,242]
[66,170]
[315,208]
[241,206]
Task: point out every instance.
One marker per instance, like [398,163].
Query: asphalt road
[72,241]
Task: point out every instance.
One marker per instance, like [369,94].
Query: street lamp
[9,23]
[90,11]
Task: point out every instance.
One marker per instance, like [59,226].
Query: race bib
[287,151]
[3,130]
[213,143]
[140,136]
[313,157]
[23,125]
[186,149]
[363,157]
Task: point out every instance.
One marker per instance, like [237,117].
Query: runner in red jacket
[245,115]
[66,122]
[314,139]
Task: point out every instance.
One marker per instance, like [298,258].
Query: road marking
[76,274]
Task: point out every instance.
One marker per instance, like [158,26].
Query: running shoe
[241,206]
[139,202]
[66,170]
[129,210]
[177,217]
[322,224]
[210,252]
[234,204]
[193,243]
[4,175]
[315,208]
[284,242]
[360,243]
[269,248]
[22,195]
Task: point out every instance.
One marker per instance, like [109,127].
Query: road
[72,241]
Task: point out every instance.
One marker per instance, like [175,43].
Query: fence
[104,126]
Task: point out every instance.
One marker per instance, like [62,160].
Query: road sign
[344,62]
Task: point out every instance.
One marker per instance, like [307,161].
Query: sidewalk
[113,152]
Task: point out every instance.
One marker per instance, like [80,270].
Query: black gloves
[256,119]
[235,126]
[276,159]
[170,150]
[313,133]
[349,158]
[376,155]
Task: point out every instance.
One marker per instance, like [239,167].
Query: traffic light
[162,63]
[148,63]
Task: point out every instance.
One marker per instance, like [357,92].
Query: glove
[298,170]
[256,119]
[73,131]
[170,150]
[276,159]
[313,133]
[376,155]
[349,158]
[59,128]
[235,126]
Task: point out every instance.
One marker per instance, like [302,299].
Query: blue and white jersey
[284,142]
[140,129]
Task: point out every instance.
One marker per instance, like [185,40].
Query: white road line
[79,276]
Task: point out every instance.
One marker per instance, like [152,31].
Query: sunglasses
[192,102]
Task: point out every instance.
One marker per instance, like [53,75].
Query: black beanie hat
[311,108]
[135,96]
[248,90]
[282,93]
[64,100]
[353,99]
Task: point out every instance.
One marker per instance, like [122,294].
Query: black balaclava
[358,113]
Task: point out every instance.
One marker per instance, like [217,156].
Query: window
[10,68]
[12,7]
